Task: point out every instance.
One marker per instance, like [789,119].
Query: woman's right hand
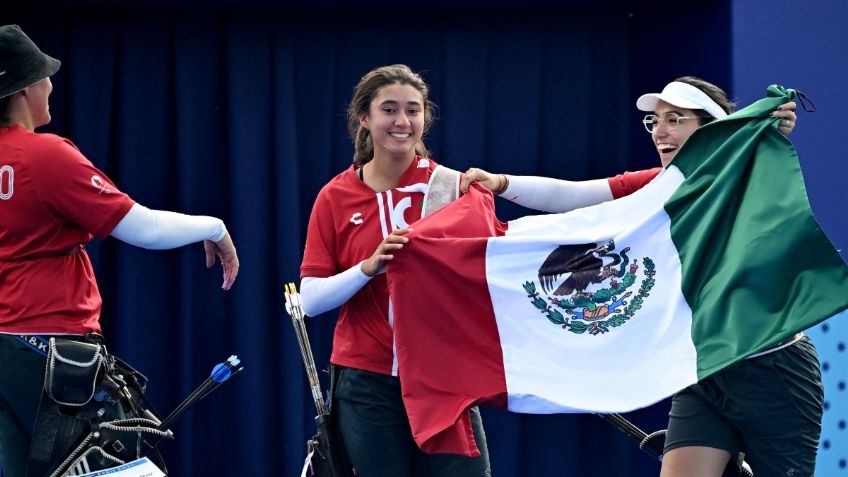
[376,263]
[490,181]
[225,251]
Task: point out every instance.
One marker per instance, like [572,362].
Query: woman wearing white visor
[767,407]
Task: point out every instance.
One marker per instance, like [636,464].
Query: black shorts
[376,434]
[769,407]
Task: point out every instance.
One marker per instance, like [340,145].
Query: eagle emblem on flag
[592,285]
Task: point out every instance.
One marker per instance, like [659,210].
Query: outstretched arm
[161,230]
[541,193]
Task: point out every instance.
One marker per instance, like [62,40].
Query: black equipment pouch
[93,414]
[72,371]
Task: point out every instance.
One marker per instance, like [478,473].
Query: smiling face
[667,137]
[395,120]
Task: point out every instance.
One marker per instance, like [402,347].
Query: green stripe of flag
[756,266]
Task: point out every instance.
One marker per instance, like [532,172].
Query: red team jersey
[348,221]
[52,201]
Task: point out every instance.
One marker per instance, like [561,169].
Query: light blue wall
[804,45]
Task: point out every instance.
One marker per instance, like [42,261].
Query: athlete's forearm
[319,295]
[556,195]
[161,229]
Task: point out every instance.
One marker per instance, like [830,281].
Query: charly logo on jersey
[102,186]
[356,218]
[594,295]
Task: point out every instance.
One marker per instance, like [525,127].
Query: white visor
[682,95]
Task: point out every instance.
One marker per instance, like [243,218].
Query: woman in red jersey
[52,202]
[357,223]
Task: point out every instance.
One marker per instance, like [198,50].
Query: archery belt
[92,414]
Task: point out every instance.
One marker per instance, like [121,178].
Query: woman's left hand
[786,113]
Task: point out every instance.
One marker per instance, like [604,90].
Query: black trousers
[376,434]
[21,383]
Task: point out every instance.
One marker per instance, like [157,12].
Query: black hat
[21,62]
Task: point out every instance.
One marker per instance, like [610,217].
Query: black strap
[803,99]
[334,378]
[40,343]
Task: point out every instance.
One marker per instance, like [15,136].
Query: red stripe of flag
[442,372]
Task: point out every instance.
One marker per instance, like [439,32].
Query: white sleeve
[319,295]
[160,229]
[556,195]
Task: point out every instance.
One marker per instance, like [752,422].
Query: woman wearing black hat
[52,202]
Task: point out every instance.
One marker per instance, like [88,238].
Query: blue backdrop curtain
[240,114]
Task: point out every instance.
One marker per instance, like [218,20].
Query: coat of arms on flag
[596,291]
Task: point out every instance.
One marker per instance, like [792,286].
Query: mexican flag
[617,306]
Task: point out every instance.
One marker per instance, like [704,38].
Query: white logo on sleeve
[102,186]
[356,218]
